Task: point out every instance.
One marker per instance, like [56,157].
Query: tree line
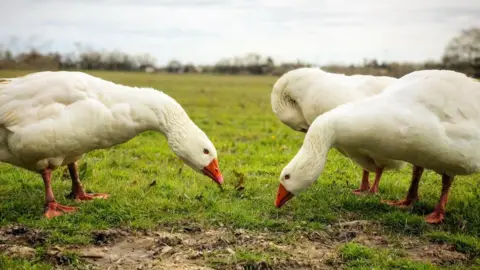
[462,53]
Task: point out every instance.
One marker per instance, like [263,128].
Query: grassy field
[253,146]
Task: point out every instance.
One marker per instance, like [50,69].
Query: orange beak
[283,196]
[212,170]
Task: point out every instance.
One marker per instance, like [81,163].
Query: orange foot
[405,203]
[87,196]
[53,209]
[435,218]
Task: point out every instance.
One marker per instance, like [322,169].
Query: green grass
[252,145]
[41,260]
[246,258]
[357,256]
[463,243]
[19,264]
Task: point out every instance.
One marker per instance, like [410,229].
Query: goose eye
[287,176]
[205,151]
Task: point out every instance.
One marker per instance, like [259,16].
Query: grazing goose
[50,119]
[301,95]
[428,118]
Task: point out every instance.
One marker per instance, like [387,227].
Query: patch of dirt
[191,247]
[415,249]
[57,256]
[181,250]
[23,235]
[17,251]
[110,236]
[437,254]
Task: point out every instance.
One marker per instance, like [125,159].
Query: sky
[204,31]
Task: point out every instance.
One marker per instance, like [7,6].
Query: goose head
[293,118]
[291,115]
[193,146]
[295,178]
[307,165]
[287,110]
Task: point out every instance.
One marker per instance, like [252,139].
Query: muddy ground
[191,247]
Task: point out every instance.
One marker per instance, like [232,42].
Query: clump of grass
[245,257]
[356,252]
[404,222]
[463,243]
[356,256]
[22,264]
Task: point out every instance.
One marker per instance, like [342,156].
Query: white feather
[301,95]
[428,118]
[50,119]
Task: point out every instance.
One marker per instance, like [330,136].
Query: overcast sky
[203,31]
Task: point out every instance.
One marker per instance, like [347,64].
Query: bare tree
[464,48]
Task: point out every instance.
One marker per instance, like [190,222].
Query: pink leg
[438,214]
[412,195]
[364,186]
[52,208]
[378,176]
[77,190]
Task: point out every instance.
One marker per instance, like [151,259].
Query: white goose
[50,119]
[429,118]
[301,95]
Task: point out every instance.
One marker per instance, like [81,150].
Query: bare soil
[192,247]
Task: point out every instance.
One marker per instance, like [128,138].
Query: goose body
[50,119]
[428,118]
[301,95]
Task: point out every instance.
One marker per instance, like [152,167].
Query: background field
[253,147]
